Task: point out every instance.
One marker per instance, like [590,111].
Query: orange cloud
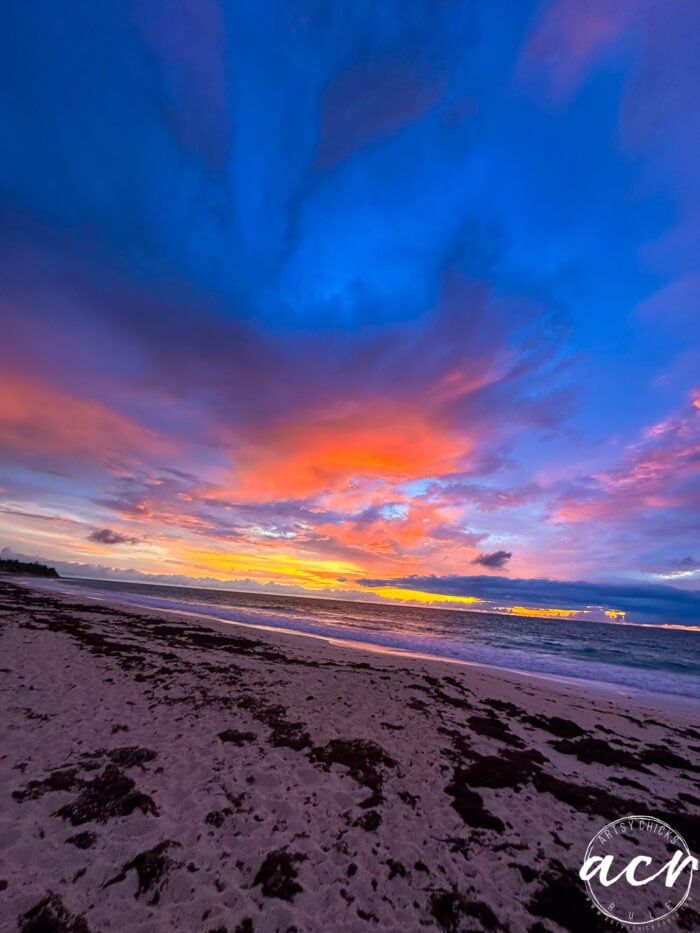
[415,531]
[389,442]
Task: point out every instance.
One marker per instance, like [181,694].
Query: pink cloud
[569,39]
[39,423]
[657,474]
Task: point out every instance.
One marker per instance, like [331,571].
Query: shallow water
[650,659]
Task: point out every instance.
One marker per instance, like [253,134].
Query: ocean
[638,658]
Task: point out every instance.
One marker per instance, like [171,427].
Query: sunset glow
[385,312]
[349,464]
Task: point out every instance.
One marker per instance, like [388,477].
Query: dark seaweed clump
[234,737]
[469,804]
[454,913]
[562,898]
[151,867]
[111,794]
[66,779]
[84,840]
[363,759]
[278,875]
[51,915]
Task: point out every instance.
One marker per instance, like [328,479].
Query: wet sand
[168,773]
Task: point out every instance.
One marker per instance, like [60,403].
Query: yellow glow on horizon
[309,573]
[395,592]
[541,613]
[335,577]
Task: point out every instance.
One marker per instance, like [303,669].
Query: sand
[167,773]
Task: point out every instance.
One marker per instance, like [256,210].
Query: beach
[162,772]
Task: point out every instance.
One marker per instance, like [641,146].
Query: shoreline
[171,773]
[653,700]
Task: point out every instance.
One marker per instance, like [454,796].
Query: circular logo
[638,871]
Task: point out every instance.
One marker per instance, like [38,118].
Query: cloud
[678,569]
[653,491]
[570,38]
[41,425]
[368,103]
[684,563]
[642,602]
[495,561]
[189,47]
[107,536]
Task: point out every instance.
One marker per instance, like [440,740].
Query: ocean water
[640,658]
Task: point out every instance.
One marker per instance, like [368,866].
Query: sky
[391,299]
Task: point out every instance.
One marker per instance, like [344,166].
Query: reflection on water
[646,658]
